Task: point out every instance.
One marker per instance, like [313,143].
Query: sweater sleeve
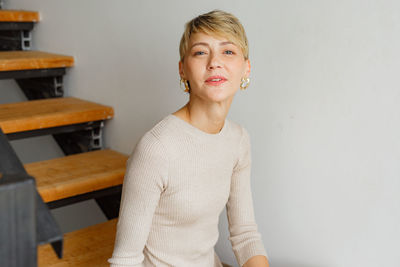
[144,181]
[245,239]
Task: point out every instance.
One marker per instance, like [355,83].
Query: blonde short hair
[215,23]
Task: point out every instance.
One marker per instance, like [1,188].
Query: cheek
[195,71]
[236,81]
[238,72]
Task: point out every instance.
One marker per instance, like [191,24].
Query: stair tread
[19,16]
[78,174]
[28,60]
[87,247]
[47,113]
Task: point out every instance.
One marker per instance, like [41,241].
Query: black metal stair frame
[38,83]
[15,36]
[33,73]
[25,220]
[73,139]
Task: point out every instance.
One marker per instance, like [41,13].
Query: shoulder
[148,164]
[150,144]
[166,131]
[241,139]
[155,136]
[239,132]
[148,154]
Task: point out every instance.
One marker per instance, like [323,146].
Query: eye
[229,52]
[199,53]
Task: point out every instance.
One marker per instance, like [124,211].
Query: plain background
[322,111]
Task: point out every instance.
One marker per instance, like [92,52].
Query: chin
[216,93]
[220,97]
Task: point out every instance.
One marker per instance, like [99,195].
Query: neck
[210,120]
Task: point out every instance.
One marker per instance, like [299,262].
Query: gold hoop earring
[185,82]
[244,83]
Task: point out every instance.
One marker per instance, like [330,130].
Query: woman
[194,162]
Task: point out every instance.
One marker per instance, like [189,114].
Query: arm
[244,236]
[145,179]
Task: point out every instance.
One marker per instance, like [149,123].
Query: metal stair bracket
[15,36]
[32,73]
[25,220]
[84,140]
[42,87]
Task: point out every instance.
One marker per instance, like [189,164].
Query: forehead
[201,37]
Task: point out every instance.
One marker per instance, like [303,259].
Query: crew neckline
[196,131]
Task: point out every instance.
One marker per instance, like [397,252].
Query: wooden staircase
[89,247]
[47,113]
[18,16]
[28,60]
[87,171]
[77,174]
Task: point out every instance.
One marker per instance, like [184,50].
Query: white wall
[322,109]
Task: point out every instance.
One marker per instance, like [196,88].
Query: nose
[214,62]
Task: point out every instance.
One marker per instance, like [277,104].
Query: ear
[181,73]
[247,68]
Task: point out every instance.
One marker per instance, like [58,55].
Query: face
[214,67]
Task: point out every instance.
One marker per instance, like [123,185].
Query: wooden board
[46,113]
[19,16]
[88,247]
[78,174]
[27,60]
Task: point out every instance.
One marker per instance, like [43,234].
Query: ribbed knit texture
[178,180]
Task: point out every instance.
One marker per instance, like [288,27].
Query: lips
[216,79]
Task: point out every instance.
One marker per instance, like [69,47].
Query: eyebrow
[206,44]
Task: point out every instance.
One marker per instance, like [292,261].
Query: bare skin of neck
[206,126]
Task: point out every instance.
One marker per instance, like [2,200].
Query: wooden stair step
[19,16]
[78,174]
[30,60]
[88,247]
[47,113]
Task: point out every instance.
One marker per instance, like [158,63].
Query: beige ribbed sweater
[177,182]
